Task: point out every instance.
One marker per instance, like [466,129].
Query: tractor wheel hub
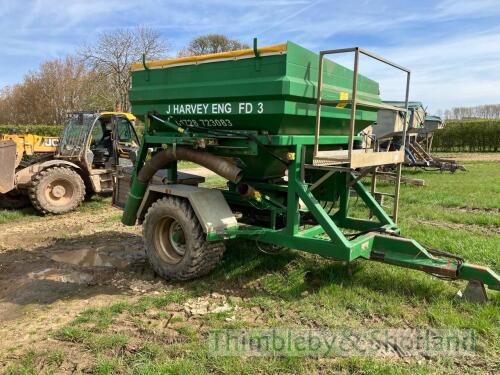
[58,191]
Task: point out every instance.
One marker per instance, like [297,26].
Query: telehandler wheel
[56,190]
[175,243]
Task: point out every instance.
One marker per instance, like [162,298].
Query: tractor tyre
[56,190]
[175,243]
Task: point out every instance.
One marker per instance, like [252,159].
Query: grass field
[458,213]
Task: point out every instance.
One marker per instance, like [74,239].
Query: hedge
[468,136]
[47,130]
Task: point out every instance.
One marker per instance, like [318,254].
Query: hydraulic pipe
[140,183]
[171,125]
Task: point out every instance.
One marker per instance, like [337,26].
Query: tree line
[486,111]
[96,77]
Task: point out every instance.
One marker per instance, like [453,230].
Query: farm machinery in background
[387,135]
[281,124]
[28,148]
[56,174]
[31,147]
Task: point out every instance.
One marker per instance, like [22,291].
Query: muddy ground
[51,268]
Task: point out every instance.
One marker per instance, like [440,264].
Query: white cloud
[469,8]
[460,70]
[451,67]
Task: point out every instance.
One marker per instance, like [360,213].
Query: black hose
[216,164]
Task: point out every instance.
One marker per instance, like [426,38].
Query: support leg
[475,292]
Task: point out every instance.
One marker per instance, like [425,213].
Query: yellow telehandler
[56,174]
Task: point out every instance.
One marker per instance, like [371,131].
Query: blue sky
[452,47]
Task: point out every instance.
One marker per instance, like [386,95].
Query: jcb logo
[51,142]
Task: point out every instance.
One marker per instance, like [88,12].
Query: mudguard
[209,205]
[24,176]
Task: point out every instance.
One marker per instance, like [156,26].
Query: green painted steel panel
[274,94]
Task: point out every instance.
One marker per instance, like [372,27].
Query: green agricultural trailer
[281,124]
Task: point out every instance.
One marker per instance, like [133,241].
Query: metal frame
[353,103]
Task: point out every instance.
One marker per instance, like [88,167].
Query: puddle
[52,274]
[90,258]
